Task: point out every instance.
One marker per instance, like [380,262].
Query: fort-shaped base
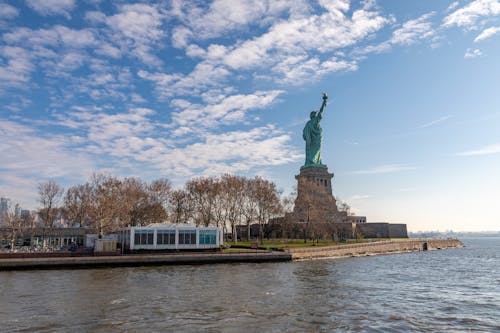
[315,201]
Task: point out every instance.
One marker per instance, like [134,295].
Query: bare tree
[219,211]
[249,204]
[106,207]
[14,223]
[201,192]
[268,202]
[160,190]
[77,204]
[49,196]
[142,203]
[234,191]
[180,206]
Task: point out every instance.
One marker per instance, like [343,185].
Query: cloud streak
[384,169]
[487,33]
[487,150]
[436,121]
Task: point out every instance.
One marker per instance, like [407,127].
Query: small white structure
[104,245]
[170,236]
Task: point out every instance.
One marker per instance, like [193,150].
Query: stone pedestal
[315,202]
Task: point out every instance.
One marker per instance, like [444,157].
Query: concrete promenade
[337,251]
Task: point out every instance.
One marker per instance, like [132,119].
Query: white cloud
[231,152]
[28,157]
[358,197]
[138,22]
[133,138]
[388,168]
[487,33]
[487,150]
[8,11]
[469,15]
[138,27]
[299,48]
[222,17]
[18,68]
[205,75]
[453,5]
[57,35]
[414,30]
[411,32]
[472,53]
[324,33]
[52,7]
[301,69]
[222,110]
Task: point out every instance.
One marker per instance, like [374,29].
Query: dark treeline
[108,203]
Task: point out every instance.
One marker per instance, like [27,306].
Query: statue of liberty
[312,134]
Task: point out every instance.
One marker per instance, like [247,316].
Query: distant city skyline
[180,89]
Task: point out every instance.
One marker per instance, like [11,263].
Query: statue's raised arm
[325,98]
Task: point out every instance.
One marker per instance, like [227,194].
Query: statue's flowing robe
[312,135]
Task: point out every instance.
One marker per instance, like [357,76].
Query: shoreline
[375,248]
[333,252]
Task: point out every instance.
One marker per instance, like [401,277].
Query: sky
[180,89]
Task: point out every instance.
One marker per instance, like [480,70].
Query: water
[451,290]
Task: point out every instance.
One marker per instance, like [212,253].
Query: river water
[451,290]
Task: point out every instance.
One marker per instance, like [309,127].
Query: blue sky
[187,88]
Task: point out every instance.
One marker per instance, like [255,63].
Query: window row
[167,237]
[143,237]
[187,236]
[208,237]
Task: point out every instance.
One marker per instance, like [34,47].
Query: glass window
[143,237]
[165,237]
[208,236]
[187,236]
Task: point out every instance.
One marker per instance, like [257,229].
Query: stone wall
[382,230]
[397,230]
[372,248]
[373,230]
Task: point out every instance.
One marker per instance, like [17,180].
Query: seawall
[140,260]
[373,248]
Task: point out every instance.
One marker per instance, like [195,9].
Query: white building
[170,236]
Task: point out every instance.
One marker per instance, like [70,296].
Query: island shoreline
[328,252]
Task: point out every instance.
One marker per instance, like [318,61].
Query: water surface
[439,291]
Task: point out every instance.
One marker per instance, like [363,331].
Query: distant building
[25,214]
[4,208]
[356,219]
[42,237]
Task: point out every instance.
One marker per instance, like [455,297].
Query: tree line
[108,203]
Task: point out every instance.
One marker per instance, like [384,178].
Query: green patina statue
[312,134]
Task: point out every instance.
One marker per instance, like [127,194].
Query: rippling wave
[438,291]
